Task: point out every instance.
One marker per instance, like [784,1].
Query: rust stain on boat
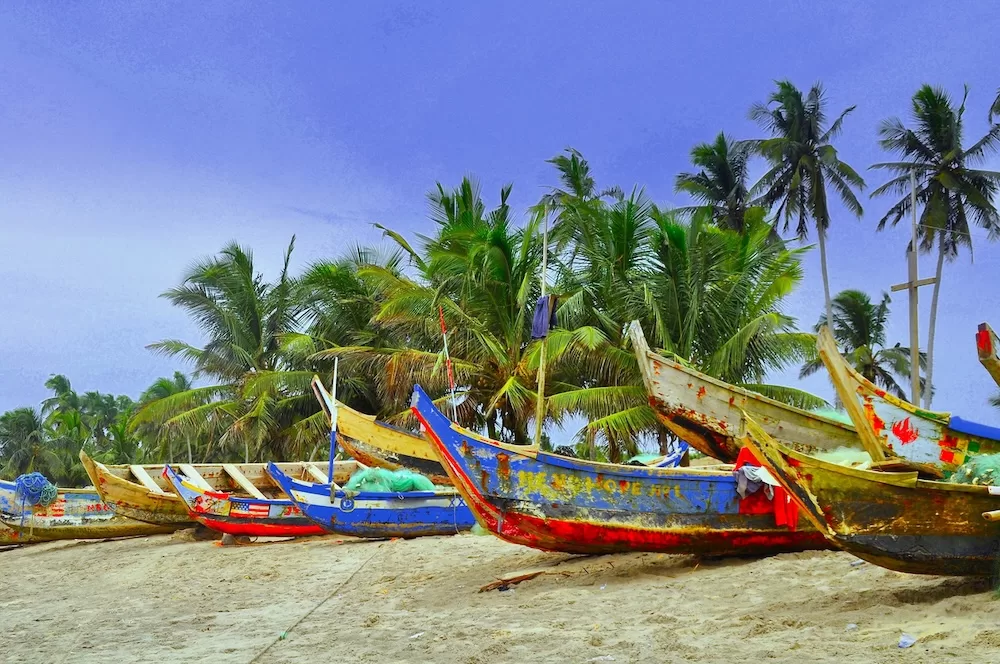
[503,466]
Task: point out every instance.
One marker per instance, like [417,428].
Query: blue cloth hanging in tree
[544,318]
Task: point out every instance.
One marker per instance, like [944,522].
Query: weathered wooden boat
[530,497]
[378,444]
[141,492]
[988,348]
[708,413]
[236,515]
[886,422]
[377,514]
[894,520]
[75,514]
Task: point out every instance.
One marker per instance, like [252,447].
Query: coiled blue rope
[34,489]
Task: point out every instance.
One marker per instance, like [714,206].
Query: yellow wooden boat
[892,519]
[141,492]
[375,443]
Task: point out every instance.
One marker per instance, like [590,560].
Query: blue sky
[137,137]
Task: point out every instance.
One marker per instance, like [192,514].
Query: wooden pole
[914,307]
[540,405]
[447,359]
[333,419]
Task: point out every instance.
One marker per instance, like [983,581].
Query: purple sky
[137,137]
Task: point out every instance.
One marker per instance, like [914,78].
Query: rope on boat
[33,489]
[284,635]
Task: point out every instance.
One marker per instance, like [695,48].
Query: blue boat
[550,502]
[377,514]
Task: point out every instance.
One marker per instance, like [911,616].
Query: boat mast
[333,418]
[540,405]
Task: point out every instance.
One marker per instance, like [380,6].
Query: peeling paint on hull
[75,514]
[708,413]
[553,503]
[893,520]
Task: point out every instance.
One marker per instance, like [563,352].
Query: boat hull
[378,515]
[75,514]
[557,504]
[251,517]
[893,520]
[708,413]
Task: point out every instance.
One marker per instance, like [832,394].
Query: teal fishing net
[387,481]
[983,469]
[835,415]
[34,489]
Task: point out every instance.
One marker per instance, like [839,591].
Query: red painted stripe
[261,529]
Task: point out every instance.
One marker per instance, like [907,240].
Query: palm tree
[246,320]
[161,389]
[24,445]
[64,396]
[804,163]
[948,185]
[483,274]
[995,108]
[721,184]
[859,328]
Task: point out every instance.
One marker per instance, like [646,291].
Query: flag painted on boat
[250,510]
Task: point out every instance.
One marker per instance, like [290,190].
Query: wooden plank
[144,478]
[834,361]
[242,481]
[314,472]
[193,477]
[512,578]
[920,282]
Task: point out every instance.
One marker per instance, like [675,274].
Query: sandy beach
[170,598]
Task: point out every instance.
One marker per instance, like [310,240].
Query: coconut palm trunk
[826,276]
[933,323]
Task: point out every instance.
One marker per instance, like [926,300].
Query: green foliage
[950,187]
[721,184]
[859,327]
[50,441]
[803,161]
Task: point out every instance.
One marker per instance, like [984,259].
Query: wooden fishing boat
[377,514]
[988,348]
[141,492]
[75,514]
[885,422]
[708,413]
[378,444]
[530,497]
[250,516]
[894,520]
